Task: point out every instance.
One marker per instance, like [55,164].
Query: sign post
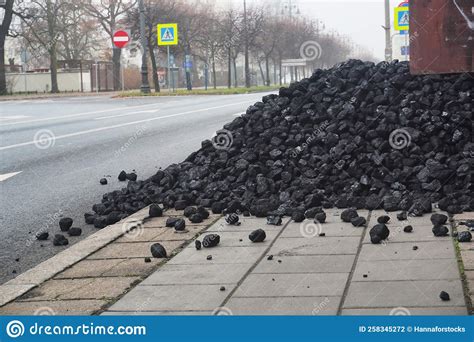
[168,36]
[402,24]
[121,39]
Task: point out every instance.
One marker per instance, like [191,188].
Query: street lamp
[145,87]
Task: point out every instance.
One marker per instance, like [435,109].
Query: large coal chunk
[440,231]
[65,223]
[258,235]
[464,236]
[349,214]
[438,219]
[211,240]
[155,211]
[60,240]
[158,251]
[379,233]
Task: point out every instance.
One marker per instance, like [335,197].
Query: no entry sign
[121,39]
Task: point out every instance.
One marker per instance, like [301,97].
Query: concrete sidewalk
[296,271]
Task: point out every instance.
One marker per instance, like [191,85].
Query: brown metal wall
[441,39]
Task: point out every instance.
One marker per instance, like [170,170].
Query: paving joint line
[354,265]
[461,270]
[252,268]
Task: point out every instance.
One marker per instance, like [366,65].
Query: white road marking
[44,141]
[79,114]
[8,175]
[127,114]
[13,117]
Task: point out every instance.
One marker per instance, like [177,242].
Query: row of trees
[215,38]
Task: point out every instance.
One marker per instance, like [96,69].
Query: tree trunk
[267,70]
[281,71]
[229,76]
[236,76]
[214,76]
[54,69]
[4,27]
[156,81]
[117,54]
[261,71]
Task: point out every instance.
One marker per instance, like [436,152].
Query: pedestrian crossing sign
[167,34]
[402,18]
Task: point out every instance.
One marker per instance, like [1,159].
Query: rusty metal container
[441,36]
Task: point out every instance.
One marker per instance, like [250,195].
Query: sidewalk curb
[34,277]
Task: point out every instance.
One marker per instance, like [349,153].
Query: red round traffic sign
[121,39]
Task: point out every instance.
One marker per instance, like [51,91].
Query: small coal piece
[158,251]
[320,217]
[257,236]
[155,211]
[42,236]
[180,225]
[438,219]
[198,245]
[440,231]
[122,177]
[444,296]
[60,240]
[65,223]
[464,236]
[274,220]
[383,219]
[348,214]
[211,240]
[103,181]
[358,221]
[75,232]
[408,229]
[402,216]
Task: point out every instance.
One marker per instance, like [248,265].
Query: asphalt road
[53,153]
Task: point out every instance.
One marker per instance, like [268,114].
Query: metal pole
[97,77]
[145,87]
[121,71]
[387,28]
[169,70]
[247,57]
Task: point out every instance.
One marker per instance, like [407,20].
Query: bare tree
[4,32]
[109,14]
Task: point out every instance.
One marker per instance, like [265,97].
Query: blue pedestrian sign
[167,34]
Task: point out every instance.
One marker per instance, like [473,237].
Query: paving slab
[310,229]
[292,285]
[49,308]
[407,311]
[157,313]
[220,255]
[160,222]
[294,306]
[13,291]
[87,288]
[424,293]
[306,264]
[433,250]
[172,298]
[162,234]
[132,250]
[468,259]
[248,224]
[239,239]
[89,269]
[419,234]
[206,274]
[315,246]
[406,270]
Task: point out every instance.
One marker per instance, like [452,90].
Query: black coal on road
[358,135]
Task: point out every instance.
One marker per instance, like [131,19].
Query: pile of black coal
[356,135]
